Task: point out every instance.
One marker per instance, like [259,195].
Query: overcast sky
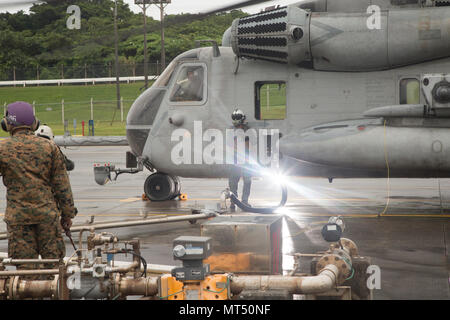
[177,6]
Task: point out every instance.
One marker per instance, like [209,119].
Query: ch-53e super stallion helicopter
[354,88]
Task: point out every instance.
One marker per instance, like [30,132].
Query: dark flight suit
[191,89]
[238,172]
[38,193]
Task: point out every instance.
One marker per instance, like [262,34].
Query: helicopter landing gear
[162,187]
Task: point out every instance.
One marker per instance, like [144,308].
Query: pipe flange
[116,285]
[341,262]
[3,289]
[55,288]
[350,246]
[13,291]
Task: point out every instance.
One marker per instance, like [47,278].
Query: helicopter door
[271,108]
[188,109]
[188,96]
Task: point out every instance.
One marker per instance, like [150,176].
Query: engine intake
[436,89]
[280,35]
[336,41]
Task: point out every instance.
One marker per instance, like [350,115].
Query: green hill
[40,42]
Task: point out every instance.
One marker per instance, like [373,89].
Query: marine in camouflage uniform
[38,194]
[238,118]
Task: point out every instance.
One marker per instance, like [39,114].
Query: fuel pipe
[332,269]
[327,279]
[262,210]
[132,223]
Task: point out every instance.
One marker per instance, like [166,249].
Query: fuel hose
[262,210]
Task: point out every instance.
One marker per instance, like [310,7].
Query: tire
[177,187]
[160,187]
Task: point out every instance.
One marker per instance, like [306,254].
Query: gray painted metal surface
[313,99]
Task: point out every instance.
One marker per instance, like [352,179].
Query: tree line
[41,38]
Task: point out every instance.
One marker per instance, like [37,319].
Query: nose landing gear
[161,187]
[158,186]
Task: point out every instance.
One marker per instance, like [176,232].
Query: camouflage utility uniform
[38,192]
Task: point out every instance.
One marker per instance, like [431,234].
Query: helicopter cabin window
[403,2]
[189,85]
[270,100]
[409,91]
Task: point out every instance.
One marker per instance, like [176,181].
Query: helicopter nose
[137,139]
[141,117]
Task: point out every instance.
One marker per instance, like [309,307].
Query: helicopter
[330,88]
[346,99]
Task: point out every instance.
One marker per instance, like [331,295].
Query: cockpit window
[164,78]
[189,85]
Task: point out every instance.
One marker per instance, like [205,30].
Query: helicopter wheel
[161,187]
[177,187]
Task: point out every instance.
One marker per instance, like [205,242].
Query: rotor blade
[7,4]
[206,14]
[238,5]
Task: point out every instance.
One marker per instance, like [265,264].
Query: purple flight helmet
[20,113]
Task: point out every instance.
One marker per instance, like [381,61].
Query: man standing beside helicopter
[238,117]
[39,195]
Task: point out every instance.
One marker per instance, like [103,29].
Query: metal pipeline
[141,286]
[37,289]
[21,289]
[80,239]
[9,261]
[11,273]
[151,268]
[266,210]
[120,224]
[332,270]
[327,279]
[323,282]
[29,272]
[132,267]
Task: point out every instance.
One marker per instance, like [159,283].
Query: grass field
[77,105]
[106,115]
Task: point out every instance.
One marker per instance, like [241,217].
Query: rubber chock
[183,197]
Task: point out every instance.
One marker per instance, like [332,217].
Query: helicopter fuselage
[320,116]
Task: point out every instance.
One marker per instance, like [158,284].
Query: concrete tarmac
[402,224]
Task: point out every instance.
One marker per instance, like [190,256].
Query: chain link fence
[107,117]
[77,72]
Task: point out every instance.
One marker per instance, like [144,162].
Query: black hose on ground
[266,210]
